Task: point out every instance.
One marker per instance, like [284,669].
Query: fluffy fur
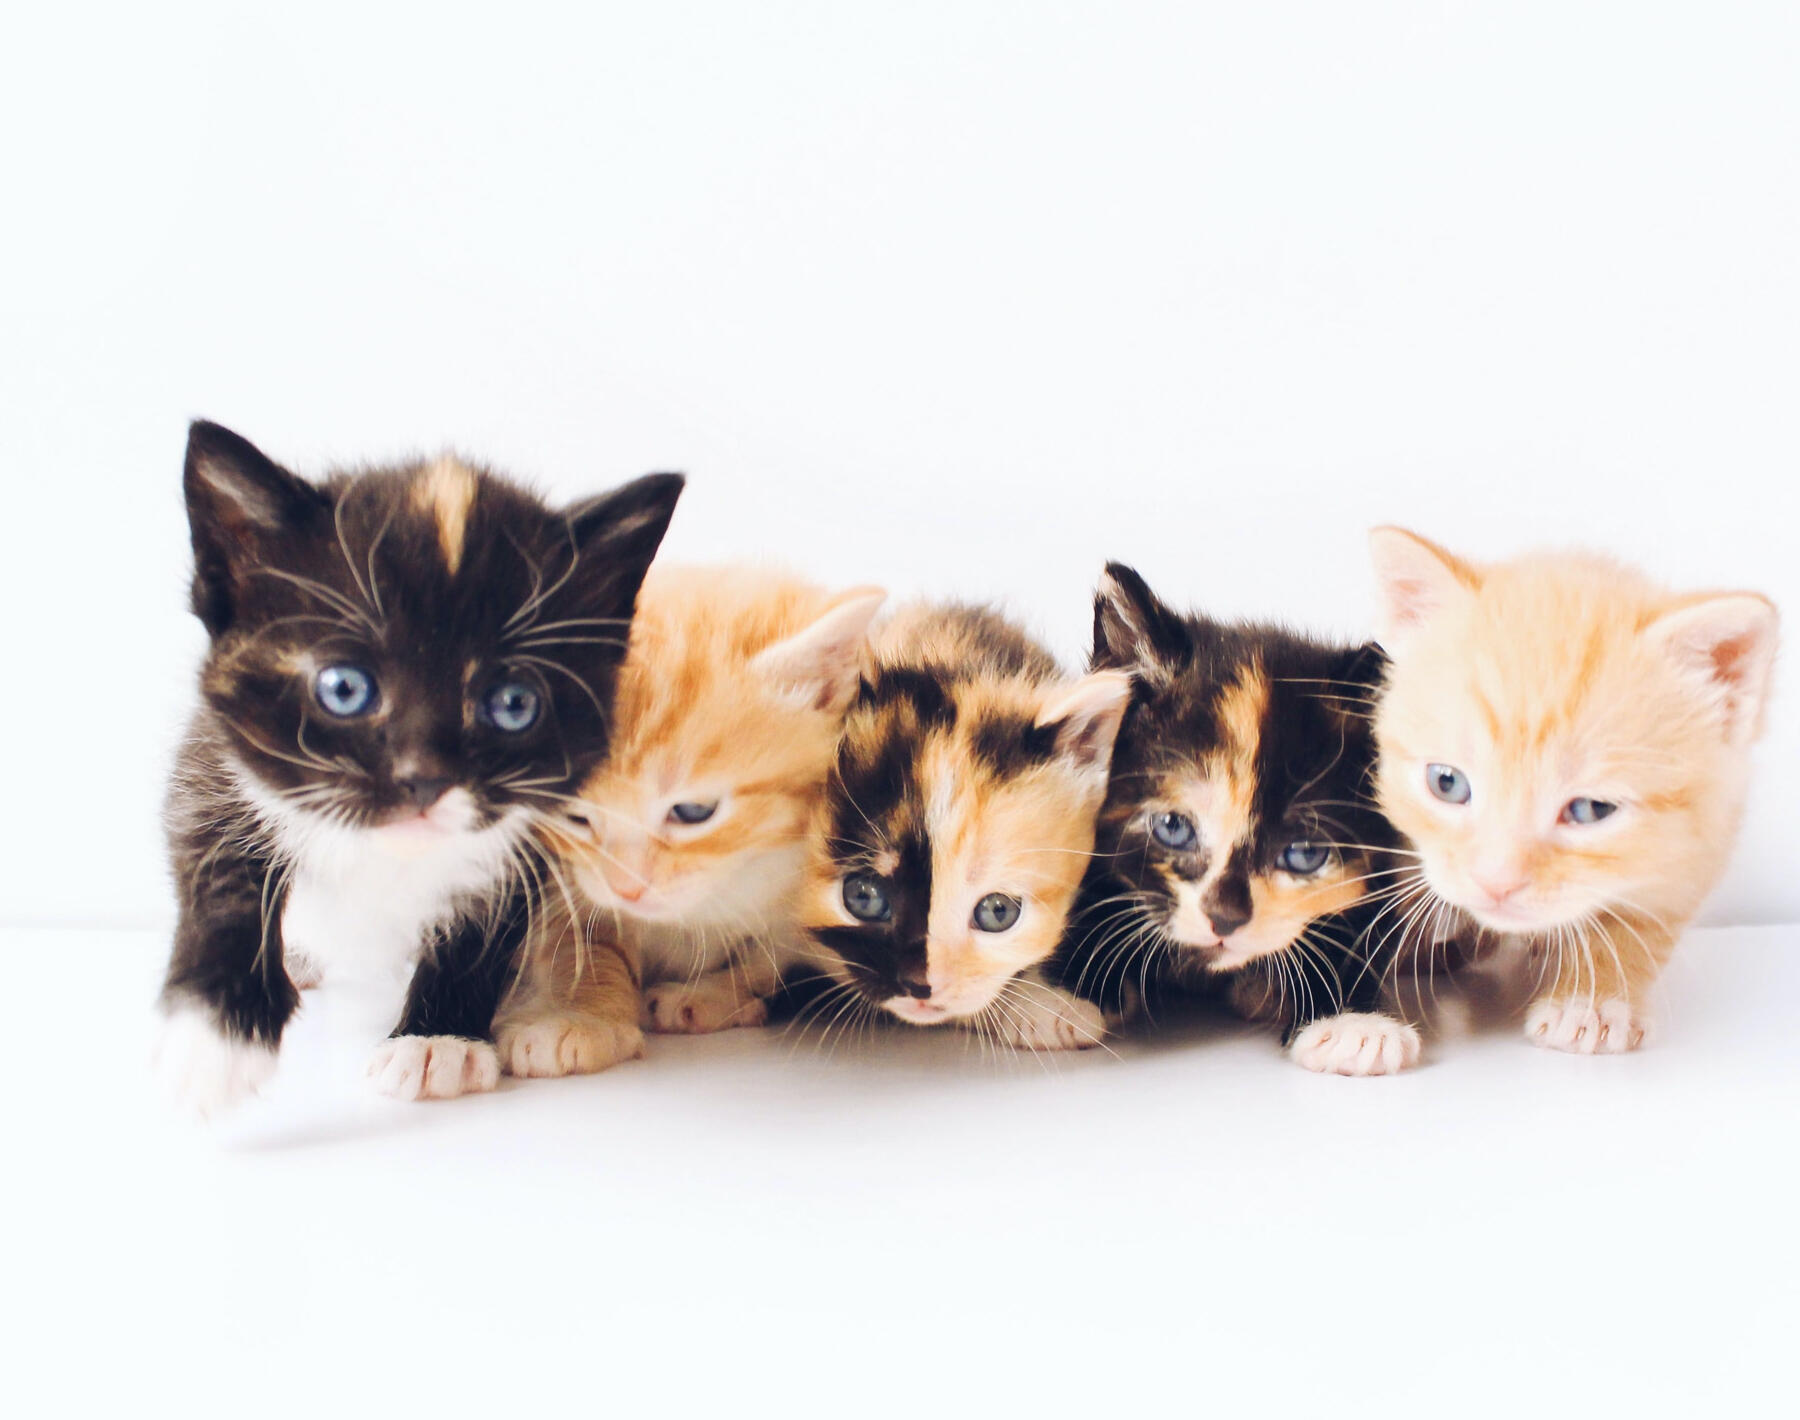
[406,666]
[1239,848]
[963,791]
[729,706]
[1567,745]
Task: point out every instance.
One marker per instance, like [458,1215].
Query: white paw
[566,1045]
[434,1067]
[1585,1027]
[675,1008]
[1356,1043]
[1038,1022]
[204,1070]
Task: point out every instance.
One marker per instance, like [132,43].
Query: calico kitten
[1240,848]
[957,820]
[1567,745]
[401,661]
[685,846]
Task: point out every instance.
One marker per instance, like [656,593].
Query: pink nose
[1498,883]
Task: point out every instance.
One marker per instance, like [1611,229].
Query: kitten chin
[407,667]
[1567,745]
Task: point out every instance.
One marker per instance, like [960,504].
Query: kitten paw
[1043,1024]
[566,1045]
[202,1069]
[1585,1027]
[435,1067]
[675,1008]
[1356,1043]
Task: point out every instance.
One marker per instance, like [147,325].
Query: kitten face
[957,823]
[1239,813]
[416,653]
[729,707]
[1560,737]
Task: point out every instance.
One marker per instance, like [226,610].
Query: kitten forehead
[443,492]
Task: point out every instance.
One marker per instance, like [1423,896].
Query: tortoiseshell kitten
[955,826]
[1239,845]
[407,666]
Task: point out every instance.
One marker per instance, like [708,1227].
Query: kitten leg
[441,1047]
[580,1015]
[1595,1001]
[1339,1027]
[735,995]
[227,996]
[1032,1015]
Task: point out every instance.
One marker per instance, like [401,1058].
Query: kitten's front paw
[204,1070]
[675,1008]
[434,1067]
[1356,1043]
[566,1045]
[1041,1023]
[1583,1026]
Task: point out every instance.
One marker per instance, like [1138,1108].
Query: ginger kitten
[683,850]
[1240,846]
[957,821]
[404,663]
[1567,745]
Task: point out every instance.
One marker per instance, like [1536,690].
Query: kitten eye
[1447,783]
[693,813]
[512,706]
[1303,859]
[1173,830]
[345,691]
[996,912]
[1587,810]
[864,899]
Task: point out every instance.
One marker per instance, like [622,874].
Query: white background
[962,298]
[965,298]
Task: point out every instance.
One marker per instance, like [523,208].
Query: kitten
[957,820]
[1240,847]
[684,848]
[400,661]
[1567,745]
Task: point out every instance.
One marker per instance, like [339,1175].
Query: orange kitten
[1567,746]
[687,842]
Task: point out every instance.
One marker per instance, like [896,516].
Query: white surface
[744,1223]
[959,296]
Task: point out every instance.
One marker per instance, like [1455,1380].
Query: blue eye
[693,813]
[1447,783]
[1173,830]
[864,899]
[1303,859]
[996,912]
[345,691]
[1587,810]
[512,706]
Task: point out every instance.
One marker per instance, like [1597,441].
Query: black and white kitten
[408,667]
[1239,848]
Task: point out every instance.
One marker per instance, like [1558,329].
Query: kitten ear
[822,665]
[239,502]
[1085,718]
[616,537]
[1415,580]
[1133,630]
[1727,642]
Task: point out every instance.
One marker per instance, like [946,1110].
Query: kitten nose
[1224,921]
[422,791]
[1498,883]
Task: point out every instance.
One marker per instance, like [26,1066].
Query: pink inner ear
[1411,600]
